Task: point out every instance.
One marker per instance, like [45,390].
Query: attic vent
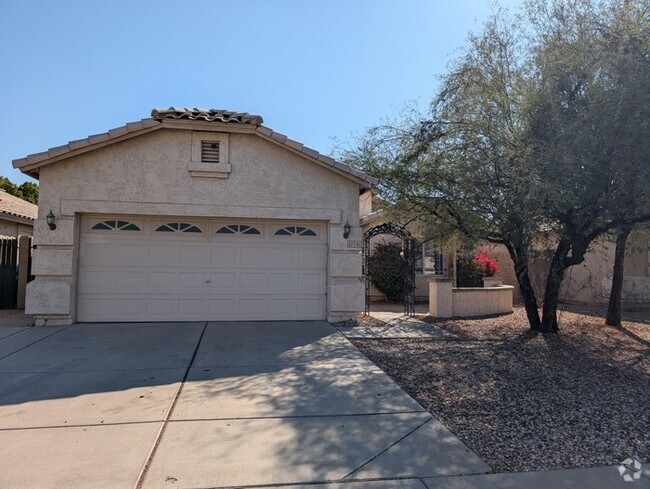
[210,151]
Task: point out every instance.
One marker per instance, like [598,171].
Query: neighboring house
[16,221]
[16,216]
[194,215]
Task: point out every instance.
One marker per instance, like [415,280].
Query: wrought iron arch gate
[409,245]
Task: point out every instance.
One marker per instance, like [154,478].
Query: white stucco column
[50,297]
[440,297]
[346,290]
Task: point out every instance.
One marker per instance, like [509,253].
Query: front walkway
[390,325]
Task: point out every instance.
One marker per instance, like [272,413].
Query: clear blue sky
[313,69]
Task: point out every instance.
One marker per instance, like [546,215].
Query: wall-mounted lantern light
[50,220]
[346,230]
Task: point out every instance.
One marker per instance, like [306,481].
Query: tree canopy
[539,128]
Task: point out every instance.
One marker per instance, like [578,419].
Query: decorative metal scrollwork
[409,246]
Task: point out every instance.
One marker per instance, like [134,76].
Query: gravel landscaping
[531,402]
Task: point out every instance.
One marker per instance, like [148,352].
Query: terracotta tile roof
[210,115]
[371,217]
[14,206]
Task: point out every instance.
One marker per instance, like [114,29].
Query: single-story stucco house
[194,215]
[16,216]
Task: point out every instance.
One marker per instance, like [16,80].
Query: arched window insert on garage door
[238,229]
[178,227]
[116,226]
[295,231]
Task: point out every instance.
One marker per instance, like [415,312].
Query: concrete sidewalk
[589,478]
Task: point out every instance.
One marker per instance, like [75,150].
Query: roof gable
[186,118]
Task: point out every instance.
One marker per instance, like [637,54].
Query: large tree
[629,38]
[27,190]
[511,151]
[466,165]
[589,124]
[613,317]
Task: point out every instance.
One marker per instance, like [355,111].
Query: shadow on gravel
[527,401]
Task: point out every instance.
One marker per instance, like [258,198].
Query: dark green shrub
[387,270]
[469,273]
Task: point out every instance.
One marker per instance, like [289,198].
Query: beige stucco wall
[10,229]
[440,298]
[365,204]
[637,256]
[591,281]
[150,175]
[476,301]
[448,301]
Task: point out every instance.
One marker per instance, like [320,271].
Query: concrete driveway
[198,405]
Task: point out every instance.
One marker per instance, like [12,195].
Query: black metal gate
[408,248]
[8,273]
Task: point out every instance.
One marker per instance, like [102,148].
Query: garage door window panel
[235,229]
[115,225]
[178,227]
[295,231]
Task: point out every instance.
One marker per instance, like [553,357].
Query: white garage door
[180,269]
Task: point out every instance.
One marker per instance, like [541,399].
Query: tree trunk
[530,301]
[552,290]
[614,309]
[520,260]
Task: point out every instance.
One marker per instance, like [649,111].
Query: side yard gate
[14,275]
[8,273]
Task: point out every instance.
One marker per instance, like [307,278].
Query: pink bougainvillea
[488,266]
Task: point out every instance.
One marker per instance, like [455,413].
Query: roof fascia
[7,216]
[61,153]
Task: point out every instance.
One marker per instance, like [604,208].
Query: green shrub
[469,273]
[470,270]
[387,270]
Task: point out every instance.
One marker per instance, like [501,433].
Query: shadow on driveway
[255,403]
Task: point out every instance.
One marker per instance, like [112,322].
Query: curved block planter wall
[447,301]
